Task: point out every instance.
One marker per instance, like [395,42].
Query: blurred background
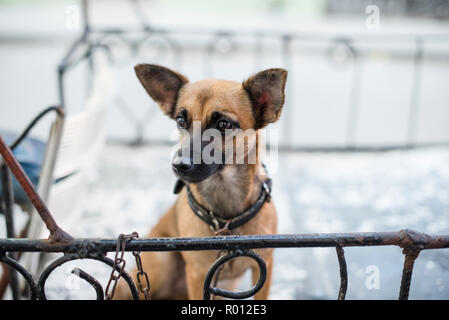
[362,144]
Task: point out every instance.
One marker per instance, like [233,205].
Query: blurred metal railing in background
[103,38]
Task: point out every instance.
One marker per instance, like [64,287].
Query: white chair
[74,143]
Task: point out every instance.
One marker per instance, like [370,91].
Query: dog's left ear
[266,92]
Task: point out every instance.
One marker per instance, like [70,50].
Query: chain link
[145,287]
[119,266]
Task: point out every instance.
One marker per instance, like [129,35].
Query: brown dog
[222,191]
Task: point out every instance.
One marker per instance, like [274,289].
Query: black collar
[217,223]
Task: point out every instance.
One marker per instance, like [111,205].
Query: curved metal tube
[91,280]
[208,290]
[59,111]
[28,277]
[69,257]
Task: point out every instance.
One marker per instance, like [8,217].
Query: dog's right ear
[162,84]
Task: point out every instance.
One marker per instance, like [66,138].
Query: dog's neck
[230,191]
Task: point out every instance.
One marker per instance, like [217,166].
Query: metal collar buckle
[267,190]
[215,221]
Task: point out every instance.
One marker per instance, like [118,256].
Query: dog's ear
[266,92]
[162,84]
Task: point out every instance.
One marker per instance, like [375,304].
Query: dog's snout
[183,166]
[182,163]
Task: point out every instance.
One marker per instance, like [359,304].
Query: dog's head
[212,113]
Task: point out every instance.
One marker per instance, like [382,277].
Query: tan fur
[180,275]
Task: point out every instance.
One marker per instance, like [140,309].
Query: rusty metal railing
[411,242]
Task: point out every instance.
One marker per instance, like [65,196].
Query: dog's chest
[226,193]
[232,269]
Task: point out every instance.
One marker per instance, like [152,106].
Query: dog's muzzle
[188,171]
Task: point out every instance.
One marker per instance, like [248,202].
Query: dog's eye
[222,125]
[180,122]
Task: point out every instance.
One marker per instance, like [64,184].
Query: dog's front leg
[195,281]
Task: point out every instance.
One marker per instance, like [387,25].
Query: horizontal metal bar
[309,36]
[404,239]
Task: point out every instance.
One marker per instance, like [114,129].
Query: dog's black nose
[183,165]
